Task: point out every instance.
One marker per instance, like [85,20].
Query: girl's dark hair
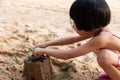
[90,15]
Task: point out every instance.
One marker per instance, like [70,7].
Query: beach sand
[24,23]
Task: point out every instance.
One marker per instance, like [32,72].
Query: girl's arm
[62,41]
[93,44]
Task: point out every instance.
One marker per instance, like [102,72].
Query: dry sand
[24,23]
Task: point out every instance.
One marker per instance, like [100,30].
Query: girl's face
[80,32]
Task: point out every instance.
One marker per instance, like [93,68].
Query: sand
[24,23]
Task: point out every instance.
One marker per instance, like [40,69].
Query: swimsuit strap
[115,36]
[118,61]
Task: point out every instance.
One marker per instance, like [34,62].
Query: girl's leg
[108,60]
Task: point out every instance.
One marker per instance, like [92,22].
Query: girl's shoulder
[102,39]
[105,38]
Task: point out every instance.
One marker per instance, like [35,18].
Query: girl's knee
[104,57]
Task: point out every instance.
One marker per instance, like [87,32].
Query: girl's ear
[72,22]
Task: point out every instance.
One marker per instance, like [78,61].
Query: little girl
[90,18]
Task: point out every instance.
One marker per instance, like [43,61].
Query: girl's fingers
[37,52]
[36,55]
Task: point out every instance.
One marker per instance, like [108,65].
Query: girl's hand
[37,52]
